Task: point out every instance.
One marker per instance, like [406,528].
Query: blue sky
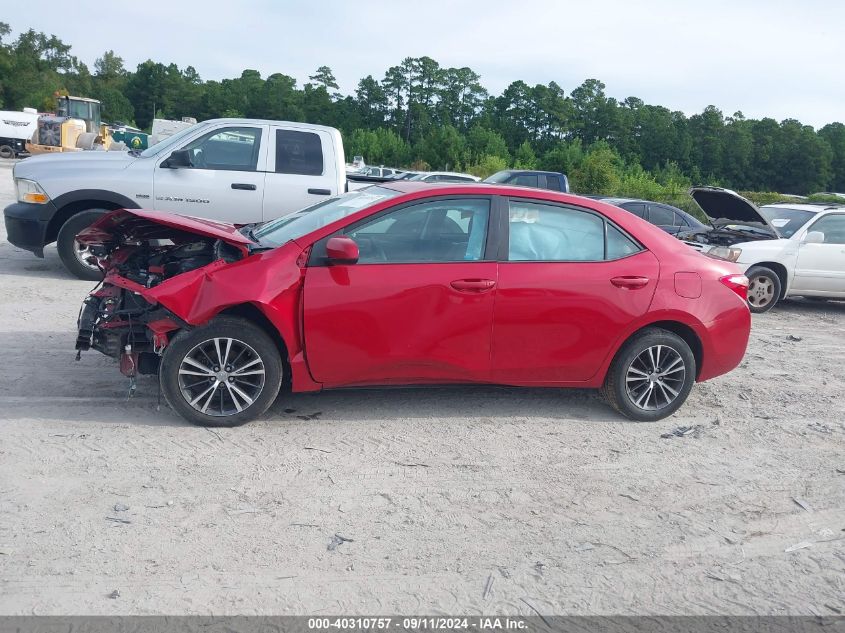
[764,58]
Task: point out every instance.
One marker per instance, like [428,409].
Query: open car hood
[725,207]
[136,224]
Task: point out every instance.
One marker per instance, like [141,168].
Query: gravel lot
[459,500]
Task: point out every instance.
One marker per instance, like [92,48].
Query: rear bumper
[26,225]
[725,343]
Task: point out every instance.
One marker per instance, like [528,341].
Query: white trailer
[16,128]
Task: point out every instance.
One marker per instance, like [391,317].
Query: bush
[487,166]
[599,172]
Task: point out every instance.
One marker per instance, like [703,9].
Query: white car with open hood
[785,249]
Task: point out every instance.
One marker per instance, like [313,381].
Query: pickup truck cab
[237,170]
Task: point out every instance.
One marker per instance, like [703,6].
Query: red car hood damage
[191,266]
[139,224]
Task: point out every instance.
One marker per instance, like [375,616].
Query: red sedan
[411,283]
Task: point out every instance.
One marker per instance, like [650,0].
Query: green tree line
[425,115]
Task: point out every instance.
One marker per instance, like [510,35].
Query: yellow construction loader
[75,126]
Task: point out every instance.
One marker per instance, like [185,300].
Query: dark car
[551,180]
[669,218]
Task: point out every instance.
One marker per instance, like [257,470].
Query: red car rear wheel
[651,375]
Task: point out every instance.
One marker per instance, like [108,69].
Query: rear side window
[661,215]
[553,183]
[299,153]
[540,232]
[619,245]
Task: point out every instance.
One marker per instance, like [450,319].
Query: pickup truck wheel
[224,373]
[7,151]
[71,252]
[763,289]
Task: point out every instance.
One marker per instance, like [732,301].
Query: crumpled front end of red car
[142,259]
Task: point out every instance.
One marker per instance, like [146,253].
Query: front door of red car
[416,307]
[571,281]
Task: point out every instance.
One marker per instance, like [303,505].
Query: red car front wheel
[224,373]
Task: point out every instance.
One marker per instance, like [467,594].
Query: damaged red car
[409,284]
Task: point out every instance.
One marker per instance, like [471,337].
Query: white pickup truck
[237,170]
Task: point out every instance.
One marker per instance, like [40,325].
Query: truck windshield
[499,176]
[169,142]
[295,225]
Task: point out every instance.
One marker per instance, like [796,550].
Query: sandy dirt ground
[453,500]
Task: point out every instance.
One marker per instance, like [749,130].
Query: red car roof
[411,186]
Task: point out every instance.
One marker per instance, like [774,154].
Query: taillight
[737,283]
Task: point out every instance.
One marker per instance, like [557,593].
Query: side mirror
[814,237]
[178,158]
[342,250]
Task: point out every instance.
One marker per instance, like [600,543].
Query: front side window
[833,227]
[299,153]
[526,180]
[231,148]
[550,233]
[436,231]
[553,183]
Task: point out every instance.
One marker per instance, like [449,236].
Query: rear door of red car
[569,281]
[416,307]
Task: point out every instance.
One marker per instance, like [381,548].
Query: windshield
[786,221]
[500,176]
[295,225]
[168,142]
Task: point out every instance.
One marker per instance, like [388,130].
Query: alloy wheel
[761,291]
[655,377]
[221,377]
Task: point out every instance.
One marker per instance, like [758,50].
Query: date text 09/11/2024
[419,623]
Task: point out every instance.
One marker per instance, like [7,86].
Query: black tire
[616,390]
[256,344]
[7,151]
[764,289]
[66,244]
